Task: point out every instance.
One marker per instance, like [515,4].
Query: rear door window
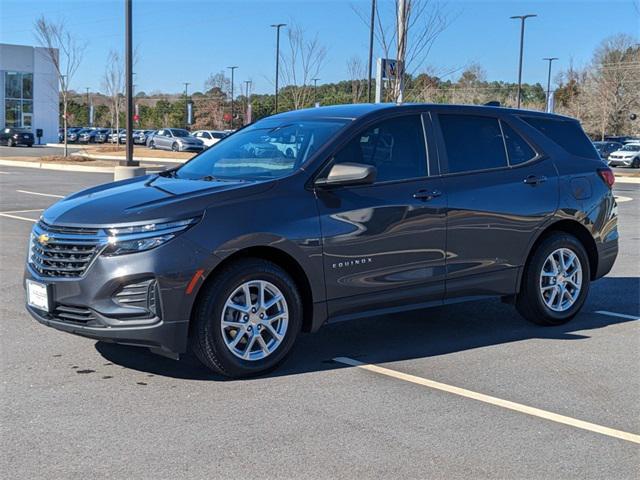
[473,142]
[518,149]
[566,133]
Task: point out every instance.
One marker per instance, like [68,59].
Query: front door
[384,244]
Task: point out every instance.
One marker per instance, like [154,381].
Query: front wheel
[10,143]
[152,145]
[247,319]
[175,147]
[636,163]
[555,282]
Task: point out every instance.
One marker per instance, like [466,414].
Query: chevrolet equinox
[327,214]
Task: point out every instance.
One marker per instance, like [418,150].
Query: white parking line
[5,173]
[622,199]
[23,211]
[518,407]
[620,315]
[17,217]
[41,194]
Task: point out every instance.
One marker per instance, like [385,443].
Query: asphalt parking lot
[76,408]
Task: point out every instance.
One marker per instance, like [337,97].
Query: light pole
[371,28]
[247,84]
[186,105]
[88,108]
[232,102]
[550,60]
[315,91]
[277,26]
[129,82]
[522,20]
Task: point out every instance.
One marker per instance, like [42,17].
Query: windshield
[631,148]
[178,132]
[264,150]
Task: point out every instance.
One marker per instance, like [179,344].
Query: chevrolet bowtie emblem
[43,239]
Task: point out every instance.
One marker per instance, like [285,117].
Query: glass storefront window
[12,85]
[27,85]
[18,97]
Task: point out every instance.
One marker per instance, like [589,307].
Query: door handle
[427,195]
[535,180]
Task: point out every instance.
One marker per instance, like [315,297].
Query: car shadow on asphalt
[418,334]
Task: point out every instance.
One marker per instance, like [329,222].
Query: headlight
[138,238]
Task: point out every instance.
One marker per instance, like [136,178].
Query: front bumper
[191,148]
[620,162]
[97,315]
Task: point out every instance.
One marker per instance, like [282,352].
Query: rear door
[501,190]
[383,244]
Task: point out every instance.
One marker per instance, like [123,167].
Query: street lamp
[186,105]
[128,33]
[315,90]
[522,20]
[232,103]
[277,26]
[550,60]
[371,28]
[88,108]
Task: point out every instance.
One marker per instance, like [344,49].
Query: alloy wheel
[561,280]
[254,320]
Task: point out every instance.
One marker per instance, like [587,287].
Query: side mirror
[348,174]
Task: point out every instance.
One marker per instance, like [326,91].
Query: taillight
[607,176]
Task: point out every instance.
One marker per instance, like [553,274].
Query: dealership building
[29,90]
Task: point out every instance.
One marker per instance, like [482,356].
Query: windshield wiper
[171,173]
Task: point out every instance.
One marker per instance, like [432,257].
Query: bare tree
[357,75]
[408,34]
[301,62]
[113,84]
[64,51]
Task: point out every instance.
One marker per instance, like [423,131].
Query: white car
[627,156]
[209,137]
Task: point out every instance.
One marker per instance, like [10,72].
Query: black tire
[174,147]
[529,301]
[10,143]
[636,163]
[206,337]
[152,145]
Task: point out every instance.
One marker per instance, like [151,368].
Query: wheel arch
[574,228]
[285,261]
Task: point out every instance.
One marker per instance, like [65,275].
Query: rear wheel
[555,282]
[247,319]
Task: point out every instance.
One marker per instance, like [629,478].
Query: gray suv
[376,209]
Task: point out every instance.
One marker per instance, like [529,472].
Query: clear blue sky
[186,40]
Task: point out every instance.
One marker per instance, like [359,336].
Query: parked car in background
[95,135]
[140,136]
[627,156]
[231,256]
[176,139]
[12,136]
[209,137]
[72,134]
[605,148]
[114,136]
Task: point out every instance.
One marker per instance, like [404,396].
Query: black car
[13,136]
[605,148]
[94,135]
[380,209]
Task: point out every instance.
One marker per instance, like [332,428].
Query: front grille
[71,314]
[62,252]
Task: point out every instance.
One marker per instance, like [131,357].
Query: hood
[146,199]
[189,140]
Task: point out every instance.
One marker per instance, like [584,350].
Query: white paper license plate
[37,295]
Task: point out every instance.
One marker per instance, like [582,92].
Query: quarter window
[518,149]
[472,142]
[395,147]
[566,133]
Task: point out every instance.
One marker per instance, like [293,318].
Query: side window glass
[472,142]
[519,151]
[395,147]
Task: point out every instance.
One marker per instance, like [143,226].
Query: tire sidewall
[209,315]
[533,276]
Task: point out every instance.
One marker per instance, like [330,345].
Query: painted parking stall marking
[28,192]
[518,407]
[619,315]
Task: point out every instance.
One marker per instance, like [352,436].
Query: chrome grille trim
[67,251]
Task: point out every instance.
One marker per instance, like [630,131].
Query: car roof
[355,111]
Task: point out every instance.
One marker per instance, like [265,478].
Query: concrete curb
[137,159]
[66,167]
